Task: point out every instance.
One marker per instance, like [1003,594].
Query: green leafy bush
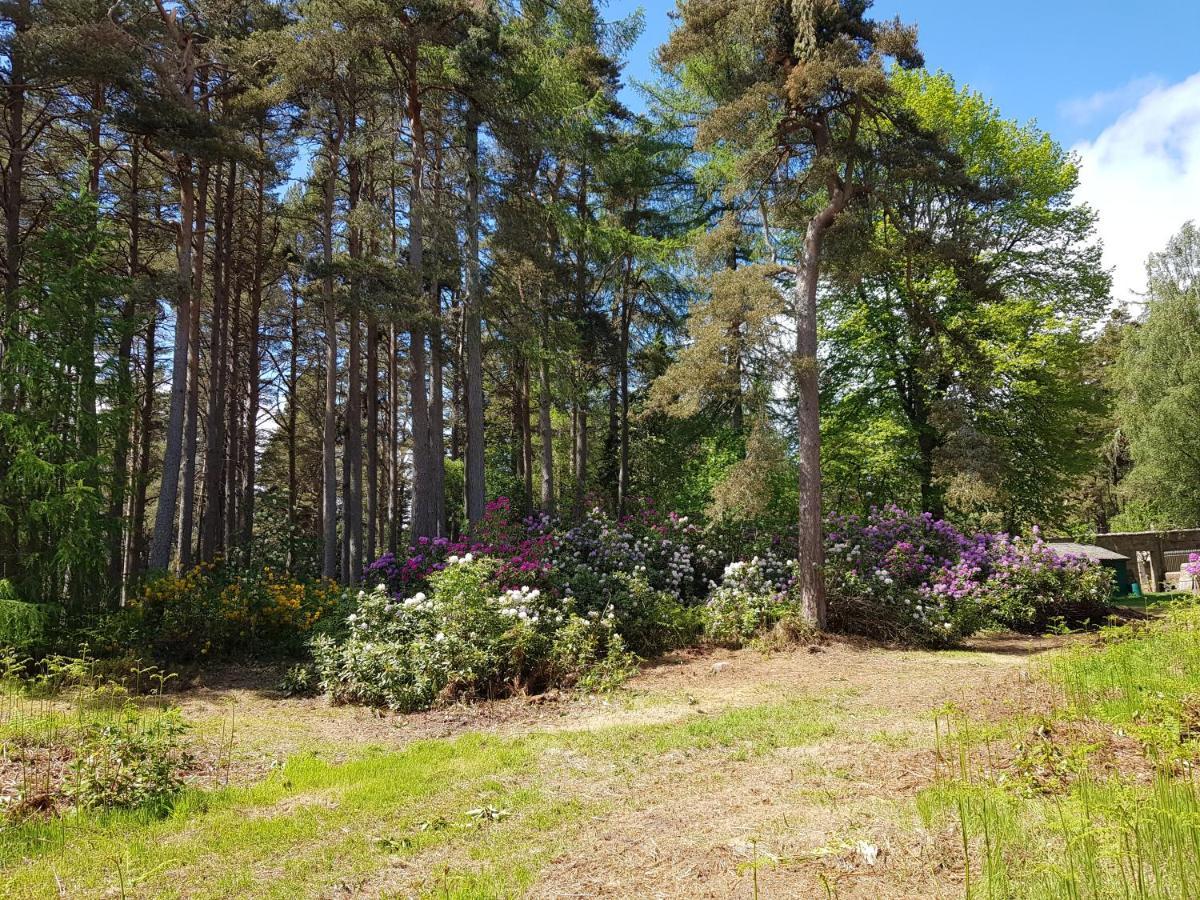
[1033,598]
[751,599]
[24,626]
[469,638]
[300,680]
[130,761]
[218,610]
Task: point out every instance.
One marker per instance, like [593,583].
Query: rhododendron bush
[520,605]
[916,578]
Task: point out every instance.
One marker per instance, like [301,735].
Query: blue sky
[1117,82]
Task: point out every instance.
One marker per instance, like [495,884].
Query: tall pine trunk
[192,411]
[168,495]
[214,431]
[253,364]
[472,333]
[811,543]
[424,517]
[372,438]
[118,540]
[329,555]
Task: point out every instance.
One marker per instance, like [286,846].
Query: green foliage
[26,627]
[1157,382]
[53,523]
[1143,677]
[651,621]
[467,638]
[1036,599]
[749,601]
[586,657]
[132,761]
[1079,812]
[300,680]
[958,350]
[219,610]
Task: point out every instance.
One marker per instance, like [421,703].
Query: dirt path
[831,818]
[828,819]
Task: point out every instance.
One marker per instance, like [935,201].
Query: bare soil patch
[834,814]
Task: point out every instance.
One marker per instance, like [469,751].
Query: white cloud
[1142,175]
[1085,110]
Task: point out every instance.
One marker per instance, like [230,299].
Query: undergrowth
[1095,797]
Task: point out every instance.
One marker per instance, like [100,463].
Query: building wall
[1146,549]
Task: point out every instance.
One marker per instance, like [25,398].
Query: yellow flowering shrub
[214,609]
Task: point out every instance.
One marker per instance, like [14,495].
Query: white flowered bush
[752,597]
[466,637]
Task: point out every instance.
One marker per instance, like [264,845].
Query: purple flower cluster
[932,577]
[522,548]
[935,581]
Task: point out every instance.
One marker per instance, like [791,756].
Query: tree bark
[546,430]
[329,515]
[164,518]
[579,417]
[192,413]
[293,402]
[476,492]
[526,433]
[393,437]
[623,389]
[353,530]
[253,368]
[117,560]
[424,516]
[811,544]
[137,537]
[211,521]
[372,438]
[353,505]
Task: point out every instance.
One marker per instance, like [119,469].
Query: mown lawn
[795,771]
[314,826]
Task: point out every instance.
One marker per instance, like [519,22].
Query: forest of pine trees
[299,283]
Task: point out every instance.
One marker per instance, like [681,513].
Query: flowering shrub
[903,576]
[751,598]
[216,610]
[1192,568]
[519,606]
[466,637]
[592,561]
[915,578]
[1029,587]
[520,548]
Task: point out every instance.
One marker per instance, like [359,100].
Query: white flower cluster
[418,601]
[465,558]
[608,617]
[521,603]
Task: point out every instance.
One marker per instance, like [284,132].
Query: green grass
[313,824]
[1040,814]
[1151,601]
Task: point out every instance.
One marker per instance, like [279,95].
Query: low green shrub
[26,627]
[751,599]
[219,610]
[1035,597]
[469,638]
[128,762]
[300,680]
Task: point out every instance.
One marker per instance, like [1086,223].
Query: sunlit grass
[1039,817]
[496,805]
